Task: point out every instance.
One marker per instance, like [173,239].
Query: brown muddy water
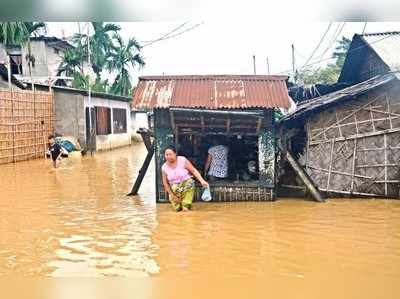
[76,221]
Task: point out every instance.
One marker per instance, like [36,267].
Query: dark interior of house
[242,157]
[196,132]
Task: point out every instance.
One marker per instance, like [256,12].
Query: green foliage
[100,85]
[17,33]
[341,51]
[278,115]
[108,52]
[329,73]
[72,62]
[325,75]
[122,56]
[80,81]
[13,33]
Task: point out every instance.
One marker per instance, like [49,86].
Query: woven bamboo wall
[355,147]
[26,119]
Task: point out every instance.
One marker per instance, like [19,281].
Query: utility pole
[91,132]
[268,66]
[293,65]
[365,26]
[80,34]
[30,62]
[254,64]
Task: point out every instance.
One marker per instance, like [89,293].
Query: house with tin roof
[189,111]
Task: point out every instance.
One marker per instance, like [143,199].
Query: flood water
[77,221]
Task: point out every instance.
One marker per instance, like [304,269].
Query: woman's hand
[196,173]
[204,184]
[174,198]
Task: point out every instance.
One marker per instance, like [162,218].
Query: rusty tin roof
[211,92]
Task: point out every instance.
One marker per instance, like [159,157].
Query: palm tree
[120,59]
[100,47]
[100,44]
[13,34]
[71,63]
[33,29]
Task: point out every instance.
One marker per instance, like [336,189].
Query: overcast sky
[228,47]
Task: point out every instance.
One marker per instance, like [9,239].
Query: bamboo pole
[353,168]
[386,162]
[304,177]
[361,135]
[330,165]
[388,111]
[348,116]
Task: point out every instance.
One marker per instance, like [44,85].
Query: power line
[332,42]
[334,39]
[174,35]
[318,45]
[326,59]
[148,42]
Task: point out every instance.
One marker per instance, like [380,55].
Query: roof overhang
[215,122]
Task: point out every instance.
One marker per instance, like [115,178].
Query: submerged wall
[69,115]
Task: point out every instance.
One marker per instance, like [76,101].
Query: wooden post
[266,153]
[150,152]
[163,137]
[177,139]
[142,172]
[145,133]
[304,177]
[44,139]
[12,121]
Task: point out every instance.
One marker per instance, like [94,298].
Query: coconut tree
[121,58]
[71,62]
[13,34]
[33,29]
[100,44]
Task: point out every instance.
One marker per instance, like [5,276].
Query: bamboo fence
[354,148]
[26,119]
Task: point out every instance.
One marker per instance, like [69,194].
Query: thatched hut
[349,141]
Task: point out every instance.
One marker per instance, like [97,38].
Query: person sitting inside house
[55,151]
[216,166]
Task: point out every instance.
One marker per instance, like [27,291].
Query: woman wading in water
[177,180]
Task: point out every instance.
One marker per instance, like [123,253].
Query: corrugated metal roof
[307,107]
[387,46]
[212,92]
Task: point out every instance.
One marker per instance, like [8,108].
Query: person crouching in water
[55,151]
[177,179]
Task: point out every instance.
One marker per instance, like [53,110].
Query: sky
[228,47]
